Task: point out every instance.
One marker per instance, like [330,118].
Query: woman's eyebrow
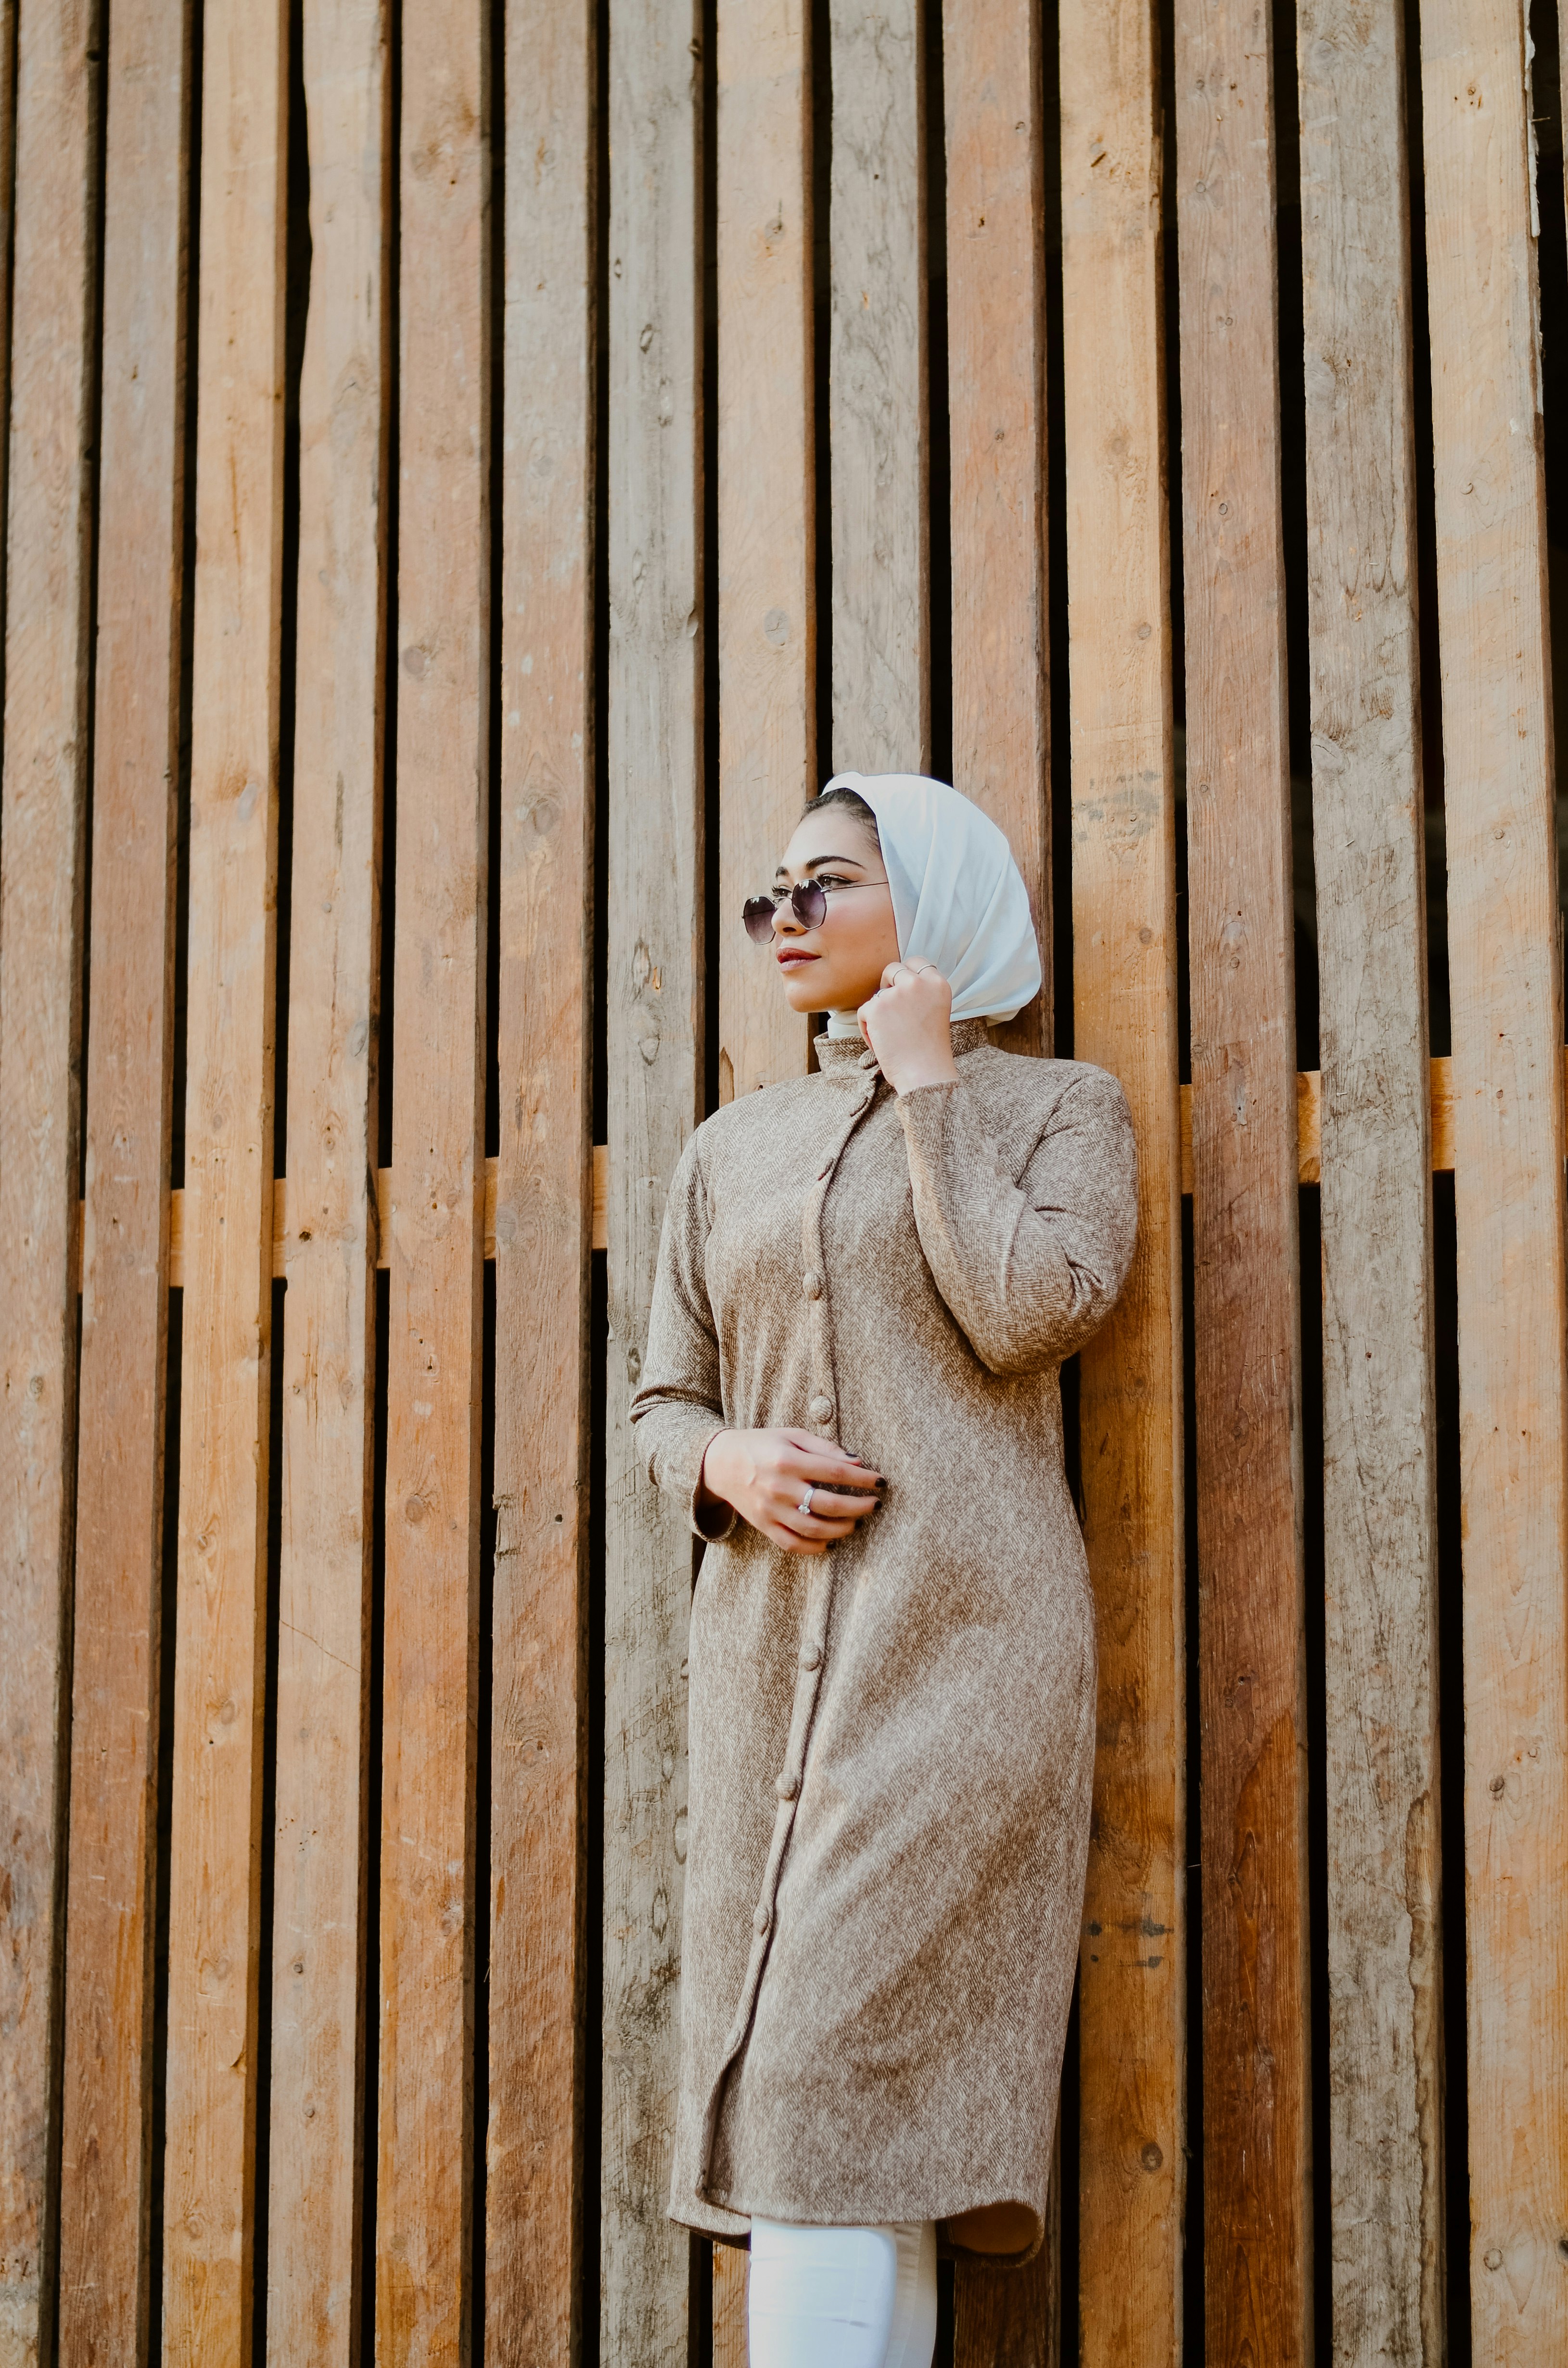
[815,862]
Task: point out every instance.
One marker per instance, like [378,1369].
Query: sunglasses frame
[806,900]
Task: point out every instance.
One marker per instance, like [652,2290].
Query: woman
[868,1282]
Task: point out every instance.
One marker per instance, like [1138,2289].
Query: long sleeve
[1030,1270]
[677,1406]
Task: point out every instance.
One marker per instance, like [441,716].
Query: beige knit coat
[892,1743]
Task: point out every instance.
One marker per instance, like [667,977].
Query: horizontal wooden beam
[1309,1103]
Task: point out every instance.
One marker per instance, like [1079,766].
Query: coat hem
[730,2224]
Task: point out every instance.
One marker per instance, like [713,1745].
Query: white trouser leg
[842,2298]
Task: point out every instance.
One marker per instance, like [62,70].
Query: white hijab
[958,899]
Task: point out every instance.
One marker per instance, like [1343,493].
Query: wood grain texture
[1257,2129]
[732,2267]
[430,1892]
[766,494]
[1008,2318]
[1380,1500]
[214,1917]
[104,2255]
[877,399]
[534,2232]
[653,1025]
[1506,980]
[320,2012]
[1132,1972]
[41,883]
[1001,685]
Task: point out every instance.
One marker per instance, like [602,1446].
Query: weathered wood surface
[996,439]
[877,400]
[214,1886]
[766,494]
[321,2019]
[105,2244]
[41,881]
[1256,2133]
[1379,1502]
[1506,980]
[536,1998]
[1133,1973]
[653,1023]
[730,2270]
[430,1893]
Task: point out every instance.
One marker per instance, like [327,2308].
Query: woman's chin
[803,989]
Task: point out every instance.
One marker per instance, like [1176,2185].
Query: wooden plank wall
[680,383]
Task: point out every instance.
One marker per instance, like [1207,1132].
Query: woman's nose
[786,922]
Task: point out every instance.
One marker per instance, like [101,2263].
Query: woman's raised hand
[908,1026]
[766,1474]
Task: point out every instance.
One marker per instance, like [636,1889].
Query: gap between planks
[1308,1108]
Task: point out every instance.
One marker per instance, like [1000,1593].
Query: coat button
[760,1920]
[786,1786]
[820,1409]
[810,1655]
[812,1284]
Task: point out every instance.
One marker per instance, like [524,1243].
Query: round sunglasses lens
[810,903]
[757,915]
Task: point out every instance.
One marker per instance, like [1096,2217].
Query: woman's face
[838,965]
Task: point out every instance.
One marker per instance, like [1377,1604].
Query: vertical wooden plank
[1256,2128]
[1132,1979]
[731,2268]
[991,70]
[215,1920]
[425,2177]
[319,2010]
[1504,971]
[655,1059]
[40,991]
[767,429]
[1380,1505]
[544,1196]
[106,2239]
[882,660]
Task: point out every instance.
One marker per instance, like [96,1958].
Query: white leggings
[842,2298]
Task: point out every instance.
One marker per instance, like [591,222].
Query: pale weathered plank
[430,1893]
[655,998]
[766,605]
[990,65]
[534,2231]
[215,1920]
[42,881]
[1504,973]
[1257,2243]
[320,2012]
[877,401]
[105,2237]
[1132,1978]
[1379,1501]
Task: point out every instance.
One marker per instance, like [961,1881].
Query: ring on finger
[805,1504]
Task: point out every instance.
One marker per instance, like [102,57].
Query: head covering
[958,899]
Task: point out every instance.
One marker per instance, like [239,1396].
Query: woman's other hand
[908,1026]
[764,1474]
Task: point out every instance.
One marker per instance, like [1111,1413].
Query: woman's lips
[787,962]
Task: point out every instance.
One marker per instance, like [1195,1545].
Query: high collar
[837,1055]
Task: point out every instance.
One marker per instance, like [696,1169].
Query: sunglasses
[807,900]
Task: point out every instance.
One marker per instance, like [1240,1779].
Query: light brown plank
[654,999]
[730,2267]
[767,594]
[990,67]
[429,1890]
[1505,978]
[1257,2241]
[543,1203]
[42,881]
[320,2012]
[214,1920]
[877,401]
[106,2238]
[1379,1501]
[1133,1976]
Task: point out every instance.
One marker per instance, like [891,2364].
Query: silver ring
[805,1504]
